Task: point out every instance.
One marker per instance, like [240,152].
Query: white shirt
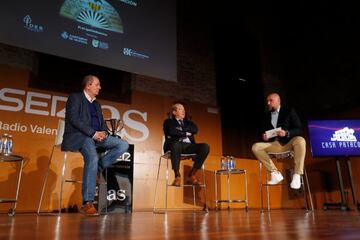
[88,97]
[275,117]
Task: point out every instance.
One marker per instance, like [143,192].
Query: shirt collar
[179,119]
[89,98]
[277,110]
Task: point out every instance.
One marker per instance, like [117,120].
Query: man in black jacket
[179,138]
[281,132]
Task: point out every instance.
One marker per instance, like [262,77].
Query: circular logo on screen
[95,43]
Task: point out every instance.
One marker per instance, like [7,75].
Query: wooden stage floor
[233,224]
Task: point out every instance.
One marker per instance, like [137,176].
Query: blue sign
[334,137]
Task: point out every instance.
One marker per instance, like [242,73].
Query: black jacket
[174,132]
[288,120]
[78,122]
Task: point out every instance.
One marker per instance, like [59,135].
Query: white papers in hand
[272,133]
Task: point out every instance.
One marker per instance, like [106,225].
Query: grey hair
[88,79]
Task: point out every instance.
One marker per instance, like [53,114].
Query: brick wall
[196,78]
[17,57]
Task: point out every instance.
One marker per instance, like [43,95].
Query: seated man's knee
[205,147]
[175,147]
[124,145]
[256,147]
[298,140]
[88,147]
[117,143]
[88,142]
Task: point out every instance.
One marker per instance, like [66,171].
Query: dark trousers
[177,148]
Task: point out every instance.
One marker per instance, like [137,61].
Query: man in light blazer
[85,131]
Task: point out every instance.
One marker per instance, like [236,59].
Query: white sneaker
[276,177]
[295,183]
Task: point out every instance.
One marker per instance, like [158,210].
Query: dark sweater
[95,123]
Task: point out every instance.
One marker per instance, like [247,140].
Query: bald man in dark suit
[287,138]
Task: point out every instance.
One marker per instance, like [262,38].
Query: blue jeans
[114,148]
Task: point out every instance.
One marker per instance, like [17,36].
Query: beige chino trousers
[296,144]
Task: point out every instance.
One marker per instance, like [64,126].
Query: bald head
[273,101]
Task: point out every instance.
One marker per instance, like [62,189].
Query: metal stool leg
[206,209]
[102,189]
[17,187]
[156,184]
[228,189]
[246,191]
[62,181]
[194,196]
[167,184]
[308,190]
[216,197]
[267,192]
[105,183]
[261,189]
[45,181]
[304,192]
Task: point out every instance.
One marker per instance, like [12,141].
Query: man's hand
[265,138]
[100,135]
[282,133]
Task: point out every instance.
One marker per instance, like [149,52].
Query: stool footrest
[278,184]
[188,185]
[73,181]
[231,201]
[230,171]
[7,200]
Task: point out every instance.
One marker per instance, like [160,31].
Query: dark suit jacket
[78,122]
[288,120]
[174,132]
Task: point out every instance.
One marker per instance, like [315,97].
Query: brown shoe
[177,182]
[89,209]
[192,180]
